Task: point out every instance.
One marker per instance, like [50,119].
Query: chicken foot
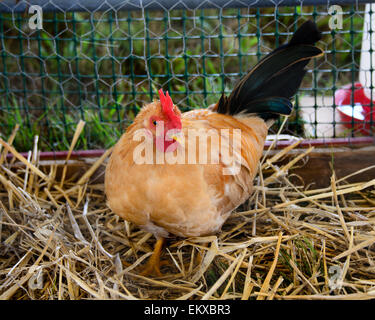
[153,265]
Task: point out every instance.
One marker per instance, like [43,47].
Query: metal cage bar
[128,5]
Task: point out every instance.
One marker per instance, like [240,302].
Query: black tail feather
[308,33]
[269,86]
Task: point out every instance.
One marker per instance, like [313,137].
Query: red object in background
[361,113]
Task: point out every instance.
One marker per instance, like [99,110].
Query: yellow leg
[153,264]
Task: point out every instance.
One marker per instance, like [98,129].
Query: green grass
[96,134]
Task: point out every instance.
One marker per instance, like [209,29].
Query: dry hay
[60,241]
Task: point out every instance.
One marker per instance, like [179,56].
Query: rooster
[195,199]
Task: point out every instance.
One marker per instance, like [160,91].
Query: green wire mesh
[103,66]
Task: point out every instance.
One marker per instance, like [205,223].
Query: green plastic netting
[102,66]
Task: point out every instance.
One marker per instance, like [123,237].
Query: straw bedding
[60,241]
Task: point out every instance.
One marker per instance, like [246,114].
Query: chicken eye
[154,122]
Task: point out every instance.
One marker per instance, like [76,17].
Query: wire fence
[101,62]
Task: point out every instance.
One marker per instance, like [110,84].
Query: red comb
[167,107]
[166,102]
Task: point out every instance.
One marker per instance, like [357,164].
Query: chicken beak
[176,138]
